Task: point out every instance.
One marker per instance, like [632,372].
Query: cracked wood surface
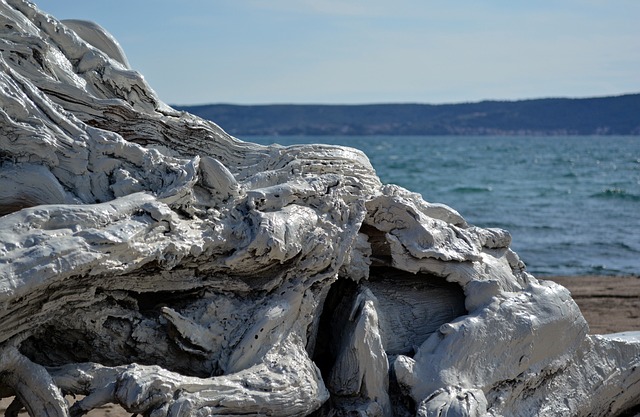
[150,260]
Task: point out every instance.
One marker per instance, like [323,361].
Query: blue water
[572,204]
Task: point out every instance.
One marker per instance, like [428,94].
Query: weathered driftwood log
[149,259]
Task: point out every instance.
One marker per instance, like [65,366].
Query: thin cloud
[258,51]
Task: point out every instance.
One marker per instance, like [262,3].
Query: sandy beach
[609,304]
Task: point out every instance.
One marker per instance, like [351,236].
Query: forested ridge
[615,115]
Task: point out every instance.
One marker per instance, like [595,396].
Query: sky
[372,51]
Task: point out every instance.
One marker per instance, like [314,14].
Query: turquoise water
[572,204]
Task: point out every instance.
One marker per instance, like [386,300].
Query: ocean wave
[471,190]
[616,193]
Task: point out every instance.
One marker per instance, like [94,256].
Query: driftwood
[149,259]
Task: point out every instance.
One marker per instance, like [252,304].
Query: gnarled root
[33,386]
[279,386]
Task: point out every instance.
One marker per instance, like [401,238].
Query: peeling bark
[149,259]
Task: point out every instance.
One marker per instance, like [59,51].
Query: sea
[571,203]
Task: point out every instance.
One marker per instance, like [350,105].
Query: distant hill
[619,115]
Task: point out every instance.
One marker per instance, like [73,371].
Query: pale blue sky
[366,51]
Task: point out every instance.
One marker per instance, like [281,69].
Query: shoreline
[610,304]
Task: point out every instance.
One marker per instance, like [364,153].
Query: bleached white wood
[148,258]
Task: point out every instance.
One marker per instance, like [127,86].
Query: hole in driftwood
[410,308]
[324,352]
[119,328]
[16,204]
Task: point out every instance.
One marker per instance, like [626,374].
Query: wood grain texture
[150,260]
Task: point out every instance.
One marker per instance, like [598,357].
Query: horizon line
[407,102]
